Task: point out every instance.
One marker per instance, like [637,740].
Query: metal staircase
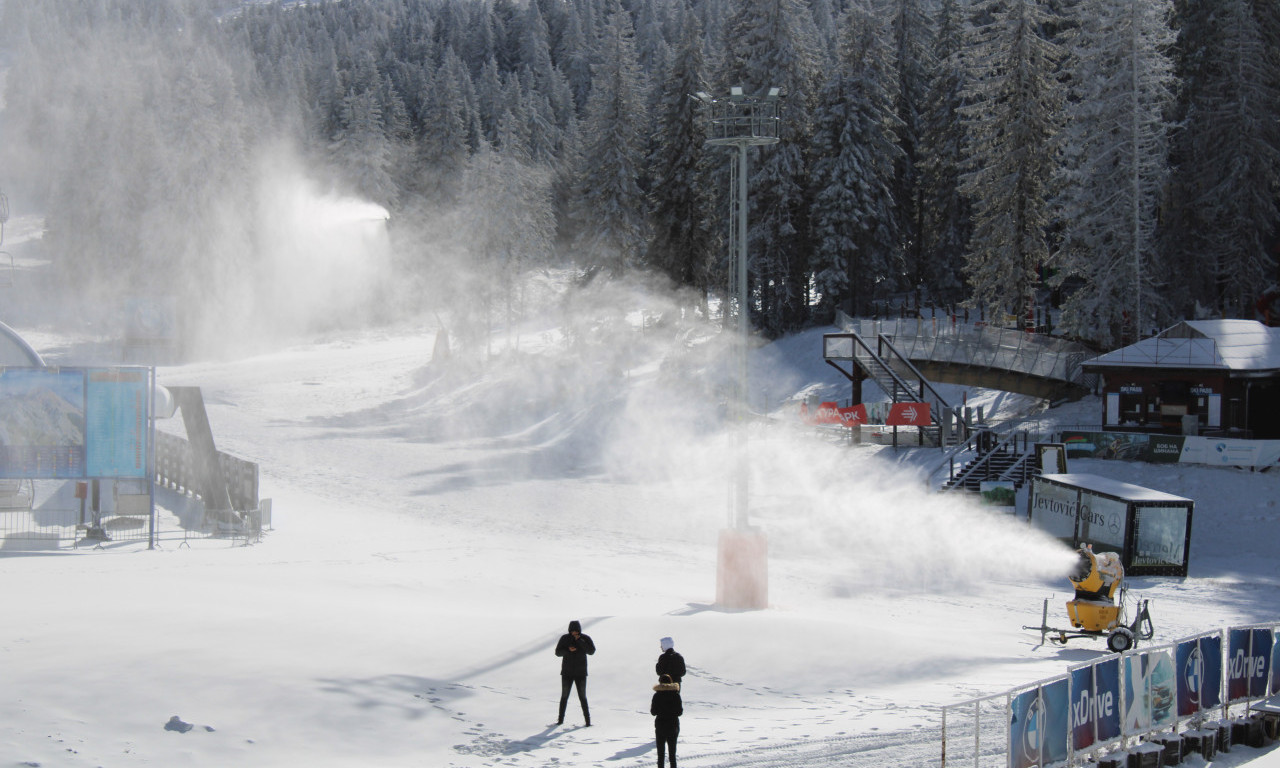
[1001,460]
[899,378]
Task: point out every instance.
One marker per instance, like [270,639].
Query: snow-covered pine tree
[680,195]
[770,43]
[609,208]
[1114,169]
[361,150]
[1012,115]
[913,52]
[1227,153]
[855,144]
[946,210]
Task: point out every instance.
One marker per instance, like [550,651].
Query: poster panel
[1226,452]
[1105,445]
[1038,720]
[1160,536]
[1103,521]
[116,428]
[1199,664]
[1275,666]
[1248,663]
[1024,729]
[1148,692]
[1095,706]
[1053,509]
[42,423]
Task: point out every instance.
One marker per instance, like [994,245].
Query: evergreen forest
[1117,160]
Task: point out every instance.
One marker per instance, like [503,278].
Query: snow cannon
[1097,579]
[1099,606]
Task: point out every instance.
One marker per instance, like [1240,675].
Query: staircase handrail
[886,342]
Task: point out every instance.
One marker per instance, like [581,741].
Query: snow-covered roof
[1231,345]
[1114,488]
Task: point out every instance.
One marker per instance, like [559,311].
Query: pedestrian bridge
[979,355]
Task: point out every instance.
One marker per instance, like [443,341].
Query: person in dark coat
[666,708]
[670,662]
[573,650]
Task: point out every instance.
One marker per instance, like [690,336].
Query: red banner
[831,413]
[908,415]
[853,415]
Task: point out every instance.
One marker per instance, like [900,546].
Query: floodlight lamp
[774,92]
[735,92]
[703,96]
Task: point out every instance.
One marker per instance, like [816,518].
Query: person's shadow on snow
[634,751]
[529,743]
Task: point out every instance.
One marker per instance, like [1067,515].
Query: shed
[1149,529]
[1217,378]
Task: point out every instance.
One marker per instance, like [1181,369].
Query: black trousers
[667,735]
[566,682]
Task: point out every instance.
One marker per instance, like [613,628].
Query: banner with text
[1095,706]
[1248,663]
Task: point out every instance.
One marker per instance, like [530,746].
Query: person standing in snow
[573,650]
[666,708]
[670,662]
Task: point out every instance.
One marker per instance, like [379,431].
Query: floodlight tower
[741,121]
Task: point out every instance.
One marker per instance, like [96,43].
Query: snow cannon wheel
[1121,639]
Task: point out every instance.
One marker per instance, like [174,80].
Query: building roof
[1232,346]
[1114,488]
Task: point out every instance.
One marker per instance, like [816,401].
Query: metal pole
[744,326]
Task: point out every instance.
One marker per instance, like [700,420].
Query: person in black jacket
[666,708]
[573,650]
[670,662]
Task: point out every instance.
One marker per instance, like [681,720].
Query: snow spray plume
[885,527]
[132,133]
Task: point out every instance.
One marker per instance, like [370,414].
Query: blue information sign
[62,423]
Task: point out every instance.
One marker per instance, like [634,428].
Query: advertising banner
[1248,663]
[1199,664]
[1160,536]
[853,415]
[1225,452]
[1054,508]
[1148,692]
[1095,706]
[42,423]
[1038,721]
[1172,449]
[908,415]
[1102,521]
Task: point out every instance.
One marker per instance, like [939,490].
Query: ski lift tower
[741,121]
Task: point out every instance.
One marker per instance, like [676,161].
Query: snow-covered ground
[438,523]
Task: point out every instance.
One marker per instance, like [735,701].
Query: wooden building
[1216,378]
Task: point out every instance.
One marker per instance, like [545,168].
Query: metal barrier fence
[1168,698]
[49,514]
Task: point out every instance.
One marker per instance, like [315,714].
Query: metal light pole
[741,121]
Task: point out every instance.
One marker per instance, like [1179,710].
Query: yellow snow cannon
[1098,607]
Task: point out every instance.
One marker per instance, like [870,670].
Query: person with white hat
[670,662]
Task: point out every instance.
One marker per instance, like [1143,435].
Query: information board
[64,423]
